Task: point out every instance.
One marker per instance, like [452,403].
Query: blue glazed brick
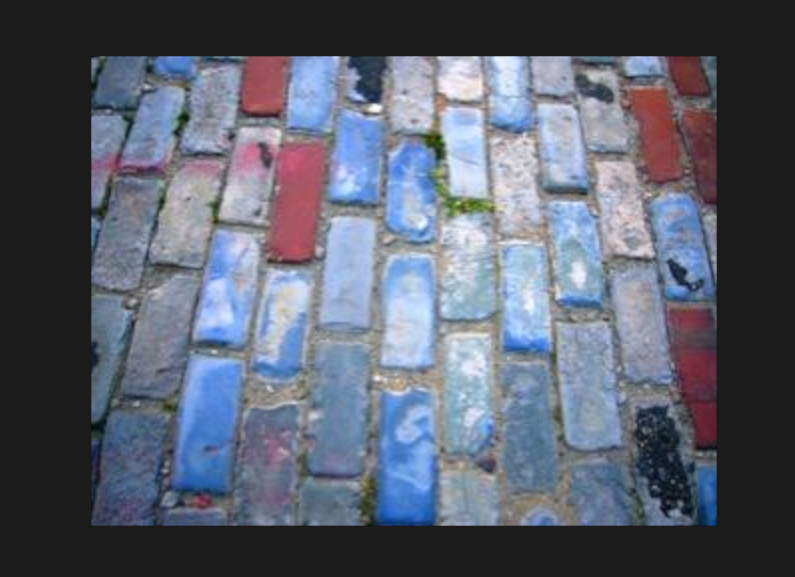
[637,66]
[283,324]
[356,166]
[348,278]
[338,421]
[527,324]
[313,93]
[205,451]
[184,67]
[469,419]
[562,149]
[681,249]
[509,80]
[410,313]
[600,496]
[579,273]
[408,468]
[411,192]
[530,454]
[230,285]
[151,142]
[708,496]
[465,137]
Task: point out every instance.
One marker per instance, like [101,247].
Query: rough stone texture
[469,499]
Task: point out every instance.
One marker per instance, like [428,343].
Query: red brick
[698,371]
[264,85]
[688,75]
[701,131]
[662,148]
[705,422]
[300,176]
[692,328]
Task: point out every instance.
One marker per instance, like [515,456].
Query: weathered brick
[412,108]
[579,273]
[701,132]
[468,415]
[640,320]
[514,175]
[527,324]
[120,82]
[251,176]
[681,250]
[132,457]
[330,504]
[365,78]
[183,67]
[465,139]
[151,143]
[267,478]
[110,331]
[710,221]
[600,495]
[411,192]
[159,352]
[349,275]
[602,116]
[644,66]
[461,78]
[509,95]
[230,285]
[588,383]
[205,447]
[107,138]
[313,93]
[530,455]
[357,161]
[300,176]
[186,221]
[409,313]
[707,495]
[195,518]
[264,85]
[213,111]
[553,75]
[623,218]
[469,499]
[688,75]
[562,149]
[705,422]
[124,240]
[338,418]
[407,465]
[283,324]
[468,268]
[660,142]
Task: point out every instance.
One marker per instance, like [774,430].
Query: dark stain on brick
[94,355]
[680,275]
[266,155]
[595,90]
[370,71]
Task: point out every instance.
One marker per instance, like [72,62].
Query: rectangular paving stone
[337,433]
[409,313]
[110,331]
[407,465]
[579,272]
[330,504]
[530,454]
[600,495]
[588,384]
[412,106]
[562,149]
[688,75]
[602,115]
[468,415]
[553,75]
[124,240]
[707,477]
[181,67]
[348,276]
[701,133]
[469,499]
[214,99]
[365,79]
[640,320]
[514,175]
[195,518]
[411,192]
[640,66]
[159,352]
[252,170]
[186,221]
[509,94]
[461,78]
[357,160]
[283,324]
[264,85]
[267,478]
[120,82]
[132,457]
[205,447]
[660,141]
[527,324]
[469,274]
[301,178]
[625,231]
[313,93]
[681,250]
[230,286]
[107,138]
[465,140]
[151,142]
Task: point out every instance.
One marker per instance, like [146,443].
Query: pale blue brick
[562,149]
[639,66]
[464,135]
[110,331]
[707,477]
[553,75]
[527,325]
[469,499]
[411,193]
[509,81]
[151,142]
[600,496]
[313,93]
[184,67]
[357,162]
